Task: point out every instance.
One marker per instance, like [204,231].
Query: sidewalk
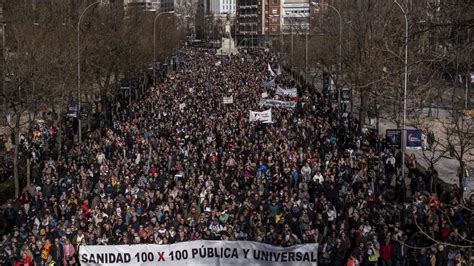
[447,168]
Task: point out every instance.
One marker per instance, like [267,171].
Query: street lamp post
[154,44]
[404,89]
[79,118]
[291,59]
[340,51]
[306,51]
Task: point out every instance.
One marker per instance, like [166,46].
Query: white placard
[228,100]
[264,117]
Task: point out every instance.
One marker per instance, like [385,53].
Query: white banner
[271,70]
[264,94]
[277,103]
[264,117]
[287,92]
[228,100]
[201,252]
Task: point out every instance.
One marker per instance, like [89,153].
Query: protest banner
[277,103]
[200,252]
[264,117]
[264,94]
[228,100]
[287,92]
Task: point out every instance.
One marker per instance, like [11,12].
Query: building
[204,6]
[270,17]
[264,19]
[295,16]
[150,5]
[167,5]
[257,19]
[248,17]
[222,7]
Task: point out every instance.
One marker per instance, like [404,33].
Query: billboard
[414,139]
[394,138]
[346,95]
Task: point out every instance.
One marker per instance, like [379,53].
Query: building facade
[167,5]
[296,15]
[204,6]
[151,5]
[222,7]
[271,17]
[247,21]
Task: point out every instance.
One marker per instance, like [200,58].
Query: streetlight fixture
[340,47]
[154,43]
[79,68]
[405,88]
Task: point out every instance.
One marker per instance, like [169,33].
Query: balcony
[247,6]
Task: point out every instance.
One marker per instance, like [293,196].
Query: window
[275,11]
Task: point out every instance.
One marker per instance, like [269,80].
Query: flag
[270,70]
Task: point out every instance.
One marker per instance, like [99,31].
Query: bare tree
[25,64]
[459,142]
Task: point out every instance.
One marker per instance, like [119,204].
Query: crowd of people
[180,165]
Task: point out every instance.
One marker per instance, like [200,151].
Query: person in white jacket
[318,177]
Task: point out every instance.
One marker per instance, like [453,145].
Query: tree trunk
[28,171]
[16,177]
[461,176]
[363,108]
[59,134]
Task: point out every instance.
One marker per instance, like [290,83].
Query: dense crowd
[179,165]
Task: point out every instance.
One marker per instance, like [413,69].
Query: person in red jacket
[26,258]
[386,250]
[353,261]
